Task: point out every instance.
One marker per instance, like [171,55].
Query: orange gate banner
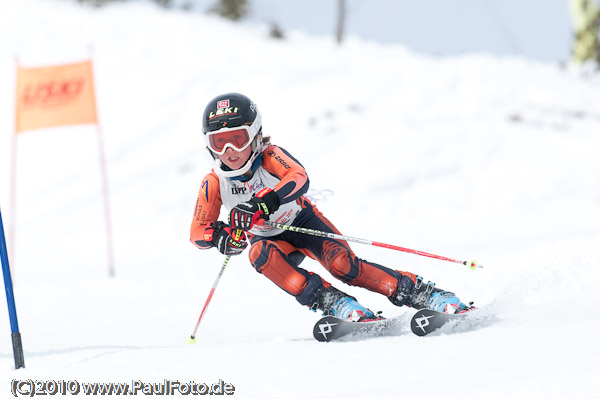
[55,96]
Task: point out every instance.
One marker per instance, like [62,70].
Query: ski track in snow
[468,157]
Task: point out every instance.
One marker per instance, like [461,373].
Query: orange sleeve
[208,206]
[294,180]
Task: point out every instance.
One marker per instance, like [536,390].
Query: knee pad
[261,251]
[258,255]
[343,267]
[270,259]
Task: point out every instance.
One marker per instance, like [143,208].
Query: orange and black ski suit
[276,253]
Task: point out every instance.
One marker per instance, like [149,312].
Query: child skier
[256,180]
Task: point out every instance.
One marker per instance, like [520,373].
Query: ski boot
[429,297]
[336,303]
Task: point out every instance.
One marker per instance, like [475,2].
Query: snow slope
[468,157]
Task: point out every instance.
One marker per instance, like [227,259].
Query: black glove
[229,241]
[245,214]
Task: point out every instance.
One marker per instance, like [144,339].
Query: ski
[426,321]
[331,328]
[422,323]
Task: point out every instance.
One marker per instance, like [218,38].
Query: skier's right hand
[229,241]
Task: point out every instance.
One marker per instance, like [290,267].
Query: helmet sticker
[222,104]
[223,112]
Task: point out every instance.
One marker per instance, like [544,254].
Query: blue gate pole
[10,299]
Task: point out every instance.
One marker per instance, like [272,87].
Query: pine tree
[231,9]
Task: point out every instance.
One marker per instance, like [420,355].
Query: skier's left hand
[245,214]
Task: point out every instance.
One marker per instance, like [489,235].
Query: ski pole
[192,338]
[472,264]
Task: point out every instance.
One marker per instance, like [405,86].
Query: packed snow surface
[469,157]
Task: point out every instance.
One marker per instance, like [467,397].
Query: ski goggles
[237,138]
